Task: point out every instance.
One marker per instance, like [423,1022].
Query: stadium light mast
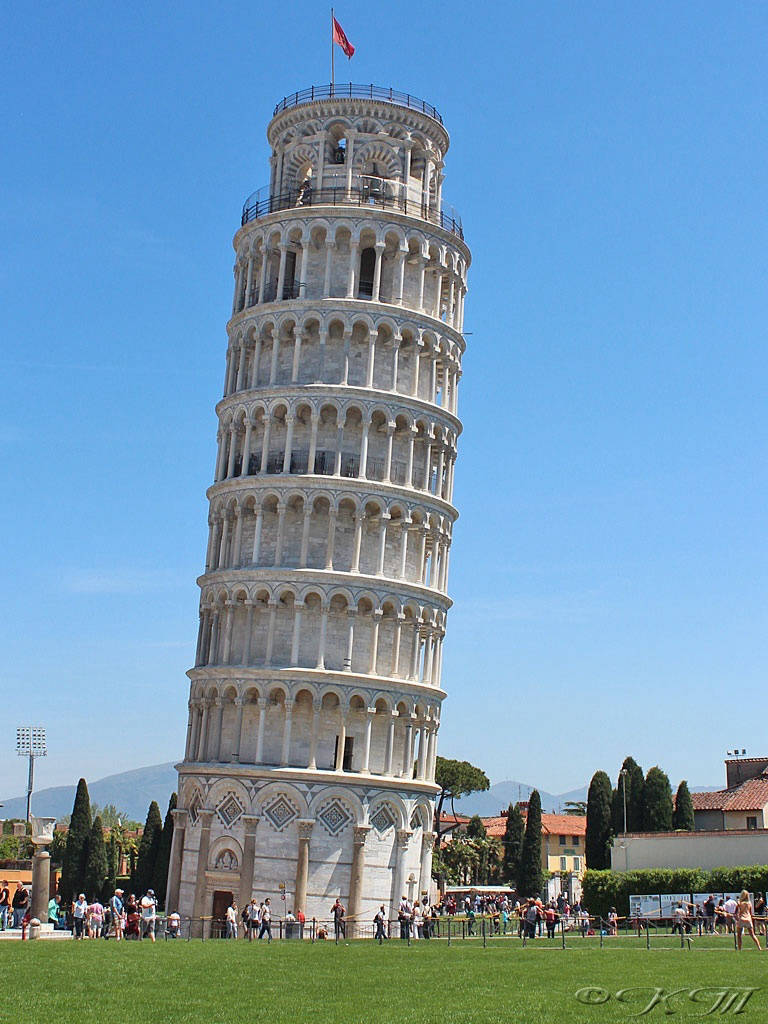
[30,742]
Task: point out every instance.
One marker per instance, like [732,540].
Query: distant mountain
[131,792]
[502,794]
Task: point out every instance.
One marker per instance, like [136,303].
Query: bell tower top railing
[349,90]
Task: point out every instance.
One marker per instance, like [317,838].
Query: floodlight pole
[30,742]
[623,774]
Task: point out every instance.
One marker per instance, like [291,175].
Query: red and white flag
[341,39]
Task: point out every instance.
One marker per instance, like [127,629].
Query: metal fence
[349,90]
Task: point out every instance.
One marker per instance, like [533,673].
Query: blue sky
[609,566]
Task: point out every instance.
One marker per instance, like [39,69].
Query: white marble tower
[315,697]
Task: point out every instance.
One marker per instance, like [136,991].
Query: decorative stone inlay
[383,819]
[229,810]
[415,821]
[195,806]
[280,812]
[334,817]
[226,861]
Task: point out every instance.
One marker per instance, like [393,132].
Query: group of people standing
[119,917]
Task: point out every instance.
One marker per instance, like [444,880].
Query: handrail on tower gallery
[261,203]
[370,92]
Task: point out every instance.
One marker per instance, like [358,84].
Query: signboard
[644,906]
[669,901]
[281,887]
[700,898]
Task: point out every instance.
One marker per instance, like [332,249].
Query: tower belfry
[315,696]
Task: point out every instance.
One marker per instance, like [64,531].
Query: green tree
[113,862]
[513,843]
[657,801]
[148,848]
[456,779]
[476,828]
[96,863]
[631,776]
[682,817]
[76,852]
[575,807]
[160,883]
[599,814]
[530,879]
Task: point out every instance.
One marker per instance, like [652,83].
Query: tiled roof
[551,824]
[751,795]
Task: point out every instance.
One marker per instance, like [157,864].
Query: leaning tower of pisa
[315,697]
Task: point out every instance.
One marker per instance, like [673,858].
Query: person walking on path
[20,904]
[339,924]
[148,915]
[266,921]
[79,913]
[744,919]
[231,918]
[379,920]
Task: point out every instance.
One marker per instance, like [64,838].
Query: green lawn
[236,983]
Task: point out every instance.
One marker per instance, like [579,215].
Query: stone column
[371,359]
[229,616]
[281,510]
[305,535]
[298,337]
[357,542]
[331,538]
[41,880]
[329,247]
[246,449]
[402,838]
[288,721]
[390,743]
[351,616]
[356,880]
[377,616]
[395,670]
[380,246]
[255,553]
[265,443]
[298,607]
[304,827]
[240,703]
[217,728]
[316,710]
[323,634]
[176,858]
[270,633]
[365,427]
[203,740]
[407,769]
[199,907]
[312,443]
[251,822]
[370,714]
[256,360]
[289,420]
[339,766]
[353,246]
[262,703]
[427,845]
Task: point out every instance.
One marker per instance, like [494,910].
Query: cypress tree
[96,864]
[160,882]
[683,814]
[148,847]
[635,781]
[530,879]
[657,801]
[513,843]
[76,852]
[599,800]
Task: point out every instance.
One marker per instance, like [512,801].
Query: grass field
[236,983]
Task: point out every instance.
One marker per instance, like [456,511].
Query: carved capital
[304,827]
[361,834]
[403,838]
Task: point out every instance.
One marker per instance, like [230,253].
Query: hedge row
[605,889]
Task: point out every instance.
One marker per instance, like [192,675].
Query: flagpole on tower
[333,80]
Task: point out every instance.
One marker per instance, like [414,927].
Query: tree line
[91,865]
[475,858]
[645,801]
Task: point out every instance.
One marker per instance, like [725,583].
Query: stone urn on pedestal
[42,836]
